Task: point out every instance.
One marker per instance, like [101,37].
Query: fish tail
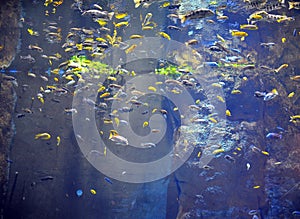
[282,2]
[291,6]
[110,15]
[137,3]
[182,18]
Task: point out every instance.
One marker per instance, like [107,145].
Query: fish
[236,91]
[28,58]
[267,45]
[145,124]
[121,15]
[146,3]
[147,27]
[34,47]
[218,151]
[238,33]
[295,78]
[196,14]
[228,113]
[148,145]
[213,120]
[98,13]
[248,26]
[172,27]
[296,213]
[93,191]
[43,136]
[294,5]
[191,42]
[131,48]
[281,67]
[270,95]
[194,108]
[164,35]
[57,140]
[125,109]
[260,94]
[273,6]
[32,32]
[221,99]
[136,36]
[151,88]
[274,135]
[121,24]
[165,4]
[118,139]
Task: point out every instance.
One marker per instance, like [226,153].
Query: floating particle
[79,193]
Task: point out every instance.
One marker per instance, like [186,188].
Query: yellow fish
[145,124]
[165,4]
[136,36]
[101,22]
[239,33]
[111,78]
[131,48]
[218,151]
[221,99]
[213,120]
[291,94]
[120,15]
[249,26]
[106,94]
[151,88]
[228,113]
[93,191]
[164,35]
[256,187]
[236,91]
[41,99]
[154,110]
[117,121]
[121,24]
[57,141]
[147,28]
[43,136]
[32,32]
[216,85]
[102,88]
[265,153]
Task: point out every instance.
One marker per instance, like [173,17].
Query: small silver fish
[118,139]
[148,145]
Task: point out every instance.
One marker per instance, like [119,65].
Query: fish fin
[137,3]
[291,6]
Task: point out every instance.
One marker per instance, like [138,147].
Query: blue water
[263,174]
